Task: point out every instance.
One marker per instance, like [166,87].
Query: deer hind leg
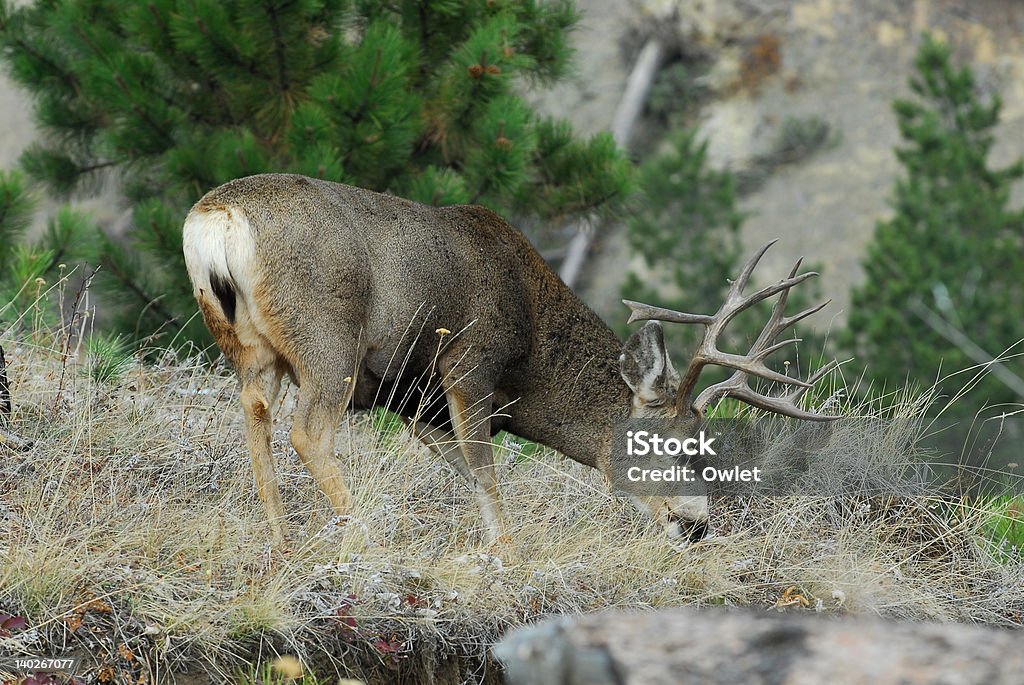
[443,443]
[260,376]
[470,410]
[323,397]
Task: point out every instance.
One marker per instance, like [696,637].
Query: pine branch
[211,85]
[282,67]
[98,165]
[157,128]
[67,76]
[119,80]
[364,105]
[231,56]
[144,297]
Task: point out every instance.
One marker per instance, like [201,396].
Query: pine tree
[26,265]
[173,97]
[950,259]
[15,213]
[20,264]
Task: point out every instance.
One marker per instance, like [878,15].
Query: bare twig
[626,115]
[967,346]
[71,324]
[6,437]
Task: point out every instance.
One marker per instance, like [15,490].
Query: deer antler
[750,364]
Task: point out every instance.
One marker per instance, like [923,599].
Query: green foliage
[953,251]
[798,139]
[18,265]
[415,97]
[22,279]
[15,212]
[23,266]
[1004,528]
[108,357]
[676,91]
[801,137]
[388,427]
[684,203]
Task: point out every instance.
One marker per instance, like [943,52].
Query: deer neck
[576,392]
[597,399]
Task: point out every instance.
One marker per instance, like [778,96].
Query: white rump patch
[219,242]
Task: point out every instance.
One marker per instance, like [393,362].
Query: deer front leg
[471,419]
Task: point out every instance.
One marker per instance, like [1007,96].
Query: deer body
[326,282]
[445,315]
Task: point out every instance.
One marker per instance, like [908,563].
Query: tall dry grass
[130,532]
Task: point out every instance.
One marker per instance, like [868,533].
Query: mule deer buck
[332,284]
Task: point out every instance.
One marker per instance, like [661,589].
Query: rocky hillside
[841,61]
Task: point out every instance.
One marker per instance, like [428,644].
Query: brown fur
[349,283]
[222,331]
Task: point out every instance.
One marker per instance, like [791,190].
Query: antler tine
[736,303]
[800,316]
[786,405]
[645,312]
[778,405]
[713,324]
[777,322]
[790,399]
[777,318]
[753,362]
[750,364]
[741,281]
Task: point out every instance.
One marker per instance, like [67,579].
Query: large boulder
[680,646]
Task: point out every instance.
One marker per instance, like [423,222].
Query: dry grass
[131,526]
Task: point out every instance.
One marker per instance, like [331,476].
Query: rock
[681,646]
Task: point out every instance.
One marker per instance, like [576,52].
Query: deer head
[660,392]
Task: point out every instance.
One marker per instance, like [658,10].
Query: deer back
[306,261]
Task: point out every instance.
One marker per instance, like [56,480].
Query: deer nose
[694,530]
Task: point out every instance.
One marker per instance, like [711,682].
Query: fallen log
[680,646]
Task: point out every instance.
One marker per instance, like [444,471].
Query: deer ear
[646,367]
